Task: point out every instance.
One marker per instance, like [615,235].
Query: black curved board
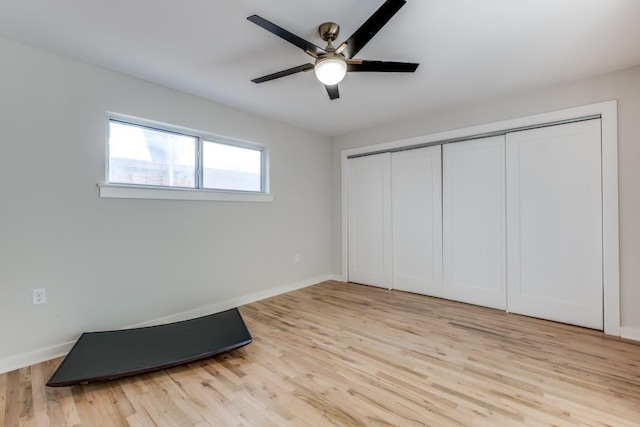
[109,355]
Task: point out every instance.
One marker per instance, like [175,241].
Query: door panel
[416,200]
[474,222]
[554,228]
[369,216]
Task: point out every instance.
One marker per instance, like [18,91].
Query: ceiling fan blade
[283,73]
[333,91]
[361,37]
[384,66]
[286,35]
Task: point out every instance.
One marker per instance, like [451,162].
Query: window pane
[226,167]
[139,155]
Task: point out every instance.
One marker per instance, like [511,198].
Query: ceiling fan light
[330,71]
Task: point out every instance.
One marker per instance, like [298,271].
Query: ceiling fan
[331,64]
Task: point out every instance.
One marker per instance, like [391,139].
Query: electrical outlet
[39,296]
[296,257]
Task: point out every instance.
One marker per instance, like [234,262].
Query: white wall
[111,263]
[623,86]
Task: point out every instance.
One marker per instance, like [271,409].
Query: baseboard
[630,333]
[336,277]
[234,302]
[22,360]
[18,361]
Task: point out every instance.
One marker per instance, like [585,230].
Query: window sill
[119,191]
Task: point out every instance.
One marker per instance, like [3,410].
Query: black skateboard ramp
[114,354]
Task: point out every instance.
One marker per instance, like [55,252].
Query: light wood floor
[350,355]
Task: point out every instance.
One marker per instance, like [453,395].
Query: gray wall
[110,263]
[623,86]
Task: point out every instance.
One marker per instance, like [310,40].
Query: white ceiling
[468,50]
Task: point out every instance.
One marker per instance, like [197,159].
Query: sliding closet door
[416,201]
[474,222]
[369,207]
[554,227]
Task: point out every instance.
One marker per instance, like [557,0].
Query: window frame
[140,191]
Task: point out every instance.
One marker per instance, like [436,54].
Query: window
[146,156]
[230,167]
[166,157]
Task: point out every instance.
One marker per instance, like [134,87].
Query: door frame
[608,112]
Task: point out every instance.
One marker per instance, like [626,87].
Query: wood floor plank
[140,420]
[39,396]
[26,398]
[134,389]
[82,399]
[3,397]
[204,398]
[339,354]
[176,402]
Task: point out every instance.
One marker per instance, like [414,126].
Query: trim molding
[123,191]
[233,302]
[22,360]
[630,333]
[608,112]
[18,361]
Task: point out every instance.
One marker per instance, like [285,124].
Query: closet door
[474,222]
[554,227]
[416,200]
[369,216]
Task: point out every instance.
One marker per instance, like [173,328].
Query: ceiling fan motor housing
[329,31]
